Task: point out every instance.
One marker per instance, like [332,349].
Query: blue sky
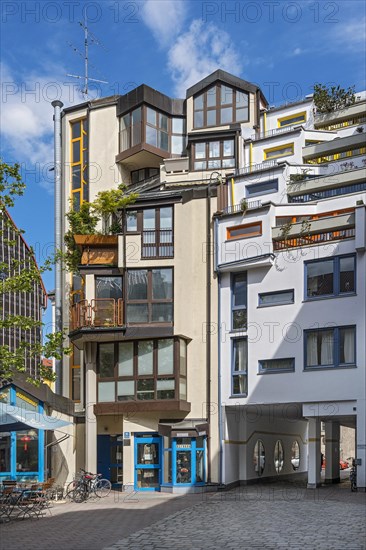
[283,46]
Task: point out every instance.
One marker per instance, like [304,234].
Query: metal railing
[317,238]
[157,244]
[236,208]
[100,312]
[256,167]
[275,132]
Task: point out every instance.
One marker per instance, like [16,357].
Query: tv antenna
[93,40]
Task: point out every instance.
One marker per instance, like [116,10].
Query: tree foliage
[19,277]
[332,98]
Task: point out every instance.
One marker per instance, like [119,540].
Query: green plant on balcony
[243,205]
[107,203]
[296,178]
[332,98]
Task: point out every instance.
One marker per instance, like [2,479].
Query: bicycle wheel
[102,488]
[79,494]
[70,488]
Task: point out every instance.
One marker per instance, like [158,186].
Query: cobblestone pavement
[270,516]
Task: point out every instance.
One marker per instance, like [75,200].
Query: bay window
[150,296]
[220,104]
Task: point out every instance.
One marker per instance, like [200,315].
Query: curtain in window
[240,355]
[348,345]
[312,348]
[326,347]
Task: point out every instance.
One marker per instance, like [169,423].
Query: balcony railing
[318,238]
[102,312]
[275,132]
[256,167]
[157,244]
[236,208]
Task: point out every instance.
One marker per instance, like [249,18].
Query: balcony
[354,111]
[96,313]
[323,183]
[314,231]
[266,165]
[275,132]
[237,208]
[98,250]
[337,145]
[176,165]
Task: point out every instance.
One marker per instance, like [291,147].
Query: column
[361,444]
[332,435]
[90,350]
[313,453]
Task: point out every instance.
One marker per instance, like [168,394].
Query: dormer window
[220,105]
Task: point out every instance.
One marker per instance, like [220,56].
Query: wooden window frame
[247,236]
[149,300]
[207,158]
[218,106]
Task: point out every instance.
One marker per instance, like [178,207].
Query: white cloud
[350,34]
[200,51]
[165,18]
[297,51]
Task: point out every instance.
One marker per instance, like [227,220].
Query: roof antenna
[93,40]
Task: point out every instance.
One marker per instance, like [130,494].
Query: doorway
[147,462]
[110,459]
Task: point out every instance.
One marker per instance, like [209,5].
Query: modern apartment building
[15,256]
[290,258]
[200,354]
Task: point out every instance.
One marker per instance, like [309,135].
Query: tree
[108,203]
[332,98]
[18,277]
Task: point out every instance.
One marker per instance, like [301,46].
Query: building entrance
[147,463]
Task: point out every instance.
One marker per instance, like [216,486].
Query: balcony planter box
[98,249]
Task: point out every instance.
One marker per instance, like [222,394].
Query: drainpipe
[216,244]
[57,105]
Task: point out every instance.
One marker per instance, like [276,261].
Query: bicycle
[353,476]
[87,484]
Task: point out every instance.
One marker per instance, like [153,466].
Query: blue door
[147,463]
[109,456]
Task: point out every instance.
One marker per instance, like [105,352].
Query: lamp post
[215,176]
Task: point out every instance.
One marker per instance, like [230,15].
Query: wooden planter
[98,249]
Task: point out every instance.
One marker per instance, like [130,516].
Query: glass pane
[202,165]
[163,142]
[347,346]
[125,390]
[75,385]
[228,148]
[137,284]
[178,125]
[211,117]
[132,221]
[27,451]
[76,177]
[167,467]
[198,102]
[320,278]
[165,388]
[76,129]
[259,457]
[163,122]
[148,478]
[276,298]
[145,389]
[125,359]
[136,116]
[319,348]
[5,443]
[228,163]
[240,384]
[241,99]
[151,136]
[211,97]
[76,201]
[278,456]
[347,274]
[137,313]
[136,134]
[214,163]
[149,219]
[183,357]
[178,145]
[106,360]
[182,388]
[166,218]
[151,116]
[240,290]
[240,355]
[214,149]
[239,318]
[125,122]
[200,475]
[26,402]
[145,357]
[242,115]
[108,287]
[295,455]
[184,467]
[162,313]
[198,119]
[226,95]
[166,356]
[277,364]
[200,150]
[75,151]
[226,115]
[162,284]
[106,392]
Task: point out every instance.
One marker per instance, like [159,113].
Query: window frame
[206,159]
[336,348]
[159,245]
[241,226]
[287,119]
[276,292]
[278,148]
[83,163]
[218,106]
[149,300]
[238,308]
[336,278]
[274,370]
[241,372]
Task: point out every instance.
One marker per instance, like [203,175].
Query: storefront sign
[187,446]
[185,434]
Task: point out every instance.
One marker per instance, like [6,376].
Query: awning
[17,418]
[185,428]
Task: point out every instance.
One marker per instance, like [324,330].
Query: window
[330,347]
[263,188]
[108,288]
[240,367]
[220,105]
[214,154]
[130,129]
[296,118]
[143,174]
[280,151]
[27,451]
[150,296]
[239,301]
[278,298]
[156,228]
[178,140]
[337,156]
[142,370]
[79,163]
[244,231]
[259,457]
[75,364]
[331,277]
[278,456]
[295,455]
[157,129]
[276,365]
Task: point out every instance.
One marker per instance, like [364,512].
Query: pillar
[361,444]
[332,435]
[90,350]
[314,461]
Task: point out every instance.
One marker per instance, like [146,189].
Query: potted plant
[243,205]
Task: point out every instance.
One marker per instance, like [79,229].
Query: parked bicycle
[86,485]
[353,476]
